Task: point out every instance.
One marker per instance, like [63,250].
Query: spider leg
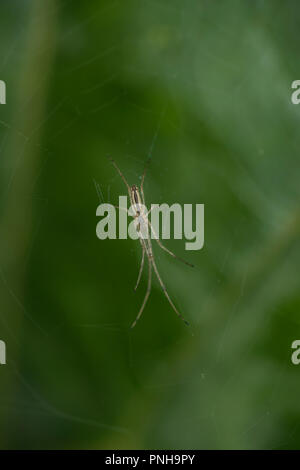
[141,267]
[166,293]
[147,292]
[121,174]
[166,249]
[143,252]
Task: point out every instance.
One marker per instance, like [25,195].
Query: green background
[203,87]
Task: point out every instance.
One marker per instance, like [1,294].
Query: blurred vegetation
[204,87]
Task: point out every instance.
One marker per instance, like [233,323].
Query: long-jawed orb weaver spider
[140,212]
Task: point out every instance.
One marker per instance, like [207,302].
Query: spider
[137,199]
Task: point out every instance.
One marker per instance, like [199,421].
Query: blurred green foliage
[205,88]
